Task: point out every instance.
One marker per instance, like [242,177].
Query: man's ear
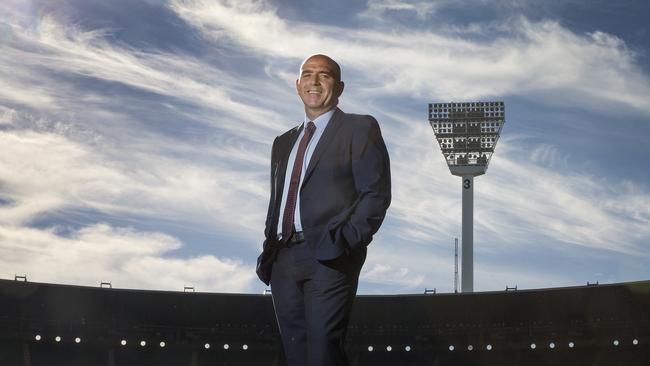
[341,86]
[297,88]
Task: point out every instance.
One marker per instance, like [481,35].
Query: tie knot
[311,127]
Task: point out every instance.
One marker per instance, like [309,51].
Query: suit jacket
[344,194]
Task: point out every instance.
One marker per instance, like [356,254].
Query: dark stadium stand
[587,325]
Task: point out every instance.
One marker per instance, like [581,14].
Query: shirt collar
[322,120]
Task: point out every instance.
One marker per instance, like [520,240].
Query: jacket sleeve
[266,258]
[371,172]
[272,195]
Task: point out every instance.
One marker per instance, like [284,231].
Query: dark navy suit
[343,200]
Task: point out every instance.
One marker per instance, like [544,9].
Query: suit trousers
[313,300]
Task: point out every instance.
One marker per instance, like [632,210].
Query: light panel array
[467,132]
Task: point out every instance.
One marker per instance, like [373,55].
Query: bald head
[336,69]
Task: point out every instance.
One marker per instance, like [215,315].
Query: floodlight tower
[467,133]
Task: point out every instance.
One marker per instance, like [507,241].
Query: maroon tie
[292,194]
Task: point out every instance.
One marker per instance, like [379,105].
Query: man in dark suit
[330,189]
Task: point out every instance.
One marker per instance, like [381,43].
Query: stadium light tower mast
[467,133]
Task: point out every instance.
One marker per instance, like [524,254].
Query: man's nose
[315,79]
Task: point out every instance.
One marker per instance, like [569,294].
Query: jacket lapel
[325,139]
[281,171]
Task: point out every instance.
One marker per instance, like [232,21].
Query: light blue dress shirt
[320,122]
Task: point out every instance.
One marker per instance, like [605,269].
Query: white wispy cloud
[33,54]
[387,274]
[99,162]
[69,147]
[125,257]
[376,9]
[530,59]
[7,116]
[563,206]
[548,155]
[44,172]
[519,201]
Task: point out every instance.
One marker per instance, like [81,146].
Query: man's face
[318,86]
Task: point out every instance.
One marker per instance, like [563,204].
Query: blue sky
[135,136]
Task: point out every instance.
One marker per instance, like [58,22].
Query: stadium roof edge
[631,283]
